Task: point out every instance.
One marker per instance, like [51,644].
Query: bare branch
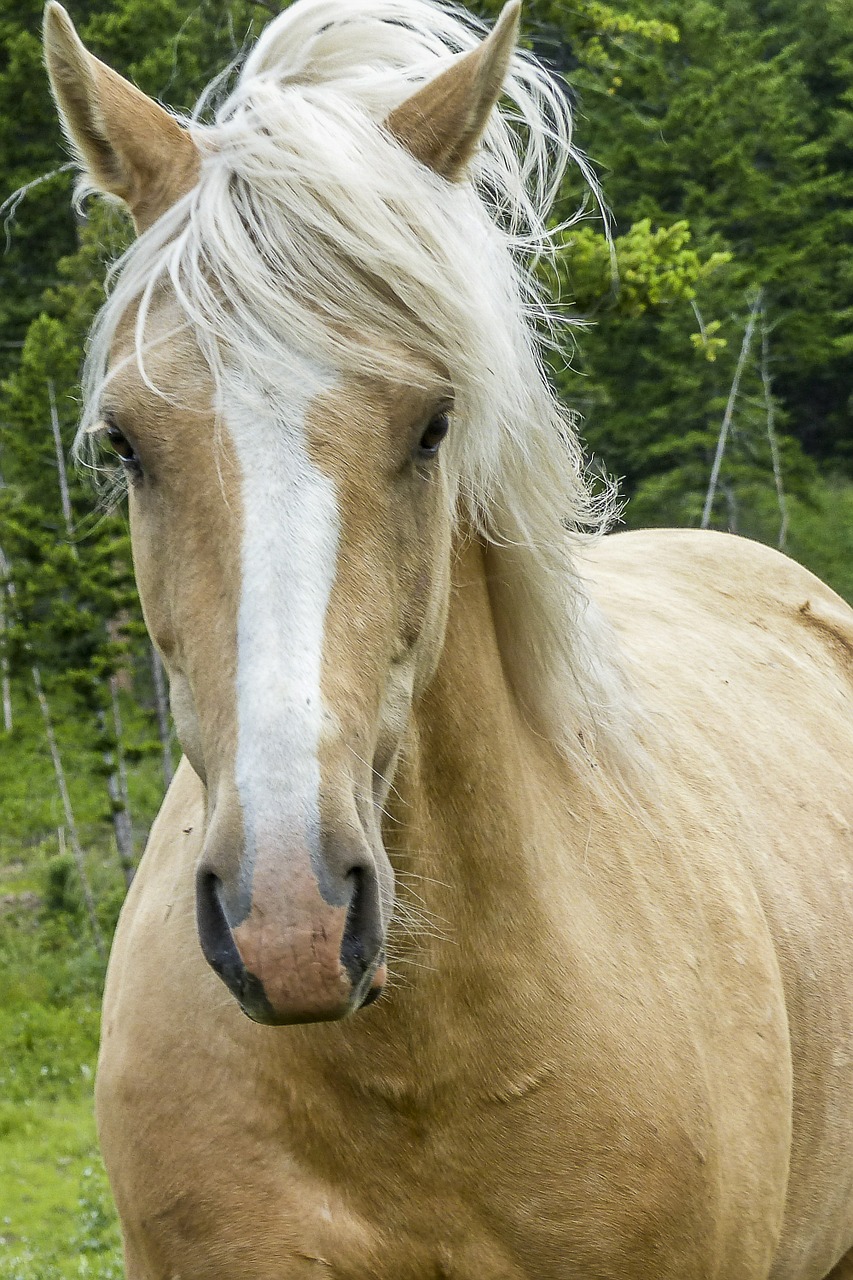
[9,207]
[730,407]
[5,680]
[771,431]
[7,589]
[60,466]
[701,323]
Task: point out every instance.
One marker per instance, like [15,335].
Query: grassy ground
[56,1217]
[30,806]
[57,1221]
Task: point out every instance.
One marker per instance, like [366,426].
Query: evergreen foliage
[743,128]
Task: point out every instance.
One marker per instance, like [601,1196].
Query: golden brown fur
[618,1042]
[592,1075]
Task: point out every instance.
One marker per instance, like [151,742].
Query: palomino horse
[583,807]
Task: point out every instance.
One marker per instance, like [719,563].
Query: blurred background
[714,380]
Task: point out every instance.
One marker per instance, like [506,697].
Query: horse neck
[476,838]
[465,789]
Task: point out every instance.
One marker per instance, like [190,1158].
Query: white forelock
[312,230]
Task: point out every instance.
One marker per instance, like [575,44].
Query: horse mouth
[254,1003]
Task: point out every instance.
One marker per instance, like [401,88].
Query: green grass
[820,528]
[56,1217]
[57,1220]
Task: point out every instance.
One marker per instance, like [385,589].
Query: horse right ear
[442,123]
[128,144]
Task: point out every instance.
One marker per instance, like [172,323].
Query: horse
[497,923]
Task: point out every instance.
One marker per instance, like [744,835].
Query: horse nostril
[214,932]
[220,949]
[353,956]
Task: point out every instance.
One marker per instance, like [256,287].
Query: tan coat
[622,1046]
[617,1043]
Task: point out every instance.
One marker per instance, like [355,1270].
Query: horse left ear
[442,123]
[130,146]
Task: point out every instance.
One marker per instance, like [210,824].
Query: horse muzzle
[294,956]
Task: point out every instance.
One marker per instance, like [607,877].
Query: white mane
[311,230]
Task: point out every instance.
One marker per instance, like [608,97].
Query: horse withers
[527,853]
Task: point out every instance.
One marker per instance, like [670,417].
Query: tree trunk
[119,810]
[771,432]
[122,819]
[117,775]
[60,464]
[76,847]
[729,413]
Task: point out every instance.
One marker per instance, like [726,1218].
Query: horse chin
[253,1001]
[264,1015]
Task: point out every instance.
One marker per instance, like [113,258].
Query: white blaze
[288,564]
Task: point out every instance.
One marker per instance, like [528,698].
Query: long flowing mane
[311,231]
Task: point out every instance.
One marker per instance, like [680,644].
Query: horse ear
[442,123]
[131,147]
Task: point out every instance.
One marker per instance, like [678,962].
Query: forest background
[723,135]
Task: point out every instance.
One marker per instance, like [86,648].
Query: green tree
[724,129]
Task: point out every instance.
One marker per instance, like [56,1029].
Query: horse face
[292,552]
[293,560]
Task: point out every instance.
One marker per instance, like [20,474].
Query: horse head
[290,506]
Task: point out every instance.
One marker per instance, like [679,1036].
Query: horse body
[612,890]
[624,1055]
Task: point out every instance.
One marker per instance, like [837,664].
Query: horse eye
[434,434]
[121,447]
